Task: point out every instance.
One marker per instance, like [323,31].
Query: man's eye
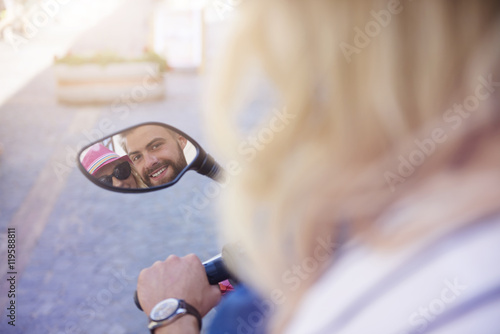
[135,158]
[155,146]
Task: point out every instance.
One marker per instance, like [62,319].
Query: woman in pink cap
[111,169]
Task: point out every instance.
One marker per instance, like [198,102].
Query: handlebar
[216,270]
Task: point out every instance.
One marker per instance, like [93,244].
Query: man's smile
[158,172]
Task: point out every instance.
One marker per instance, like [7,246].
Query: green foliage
[106,58]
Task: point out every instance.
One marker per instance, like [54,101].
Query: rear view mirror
[145,157]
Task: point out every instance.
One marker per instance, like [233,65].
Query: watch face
[164,309]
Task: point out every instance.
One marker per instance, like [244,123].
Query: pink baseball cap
[98,156]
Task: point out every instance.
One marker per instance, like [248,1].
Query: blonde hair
[138,179]
[358,100]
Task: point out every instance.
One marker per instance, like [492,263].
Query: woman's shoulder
[450,283]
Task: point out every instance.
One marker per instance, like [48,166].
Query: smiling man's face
[156,153]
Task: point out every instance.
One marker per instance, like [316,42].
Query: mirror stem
[211,168]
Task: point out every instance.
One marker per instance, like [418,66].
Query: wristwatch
[169,310]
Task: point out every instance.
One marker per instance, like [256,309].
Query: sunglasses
[121,172]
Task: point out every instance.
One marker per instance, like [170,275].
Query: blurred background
[72,71]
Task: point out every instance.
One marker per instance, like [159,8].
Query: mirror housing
[145,157]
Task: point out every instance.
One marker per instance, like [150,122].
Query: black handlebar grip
[136,301]
[216,270]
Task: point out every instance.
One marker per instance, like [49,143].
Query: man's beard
[176,168]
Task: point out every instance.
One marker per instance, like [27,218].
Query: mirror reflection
[142,157]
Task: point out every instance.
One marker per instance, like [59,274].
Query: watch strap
[191,310]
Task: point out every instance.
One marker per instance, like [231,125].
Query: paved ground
[79,248]
[22,57]
[82,247]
